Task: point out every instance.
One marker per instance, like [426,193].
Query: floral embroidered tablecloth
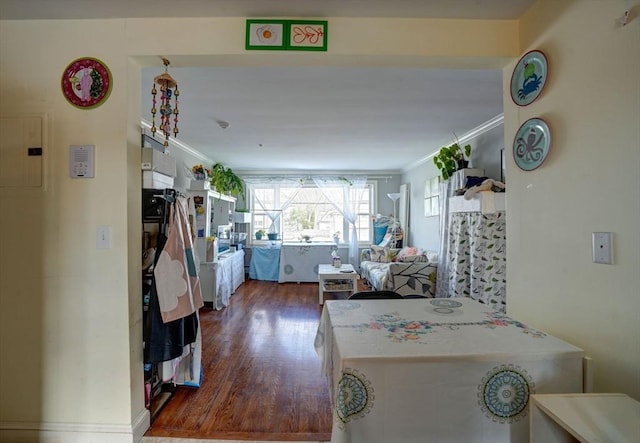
[441,370]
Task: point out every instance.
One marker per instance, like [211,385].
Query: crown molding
[146,126]
[475,132]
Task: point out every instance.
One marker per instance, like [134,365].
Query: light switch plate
[602,247]
[103,237]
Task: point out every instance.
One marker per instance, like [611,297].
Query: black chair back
[375,295]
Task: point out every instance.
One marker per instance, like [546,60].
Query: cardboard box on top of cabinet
[154,160]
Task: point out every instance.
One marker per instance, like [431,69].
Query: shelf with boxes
[214,217]
[155,211]
[221,266]
[158,169]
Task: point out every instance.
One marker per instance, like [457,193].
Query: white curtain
[275,214]
[349,208]
[447,189]
[478,258]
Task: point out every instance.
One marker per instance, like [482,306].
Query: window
[308,212]
[431,197]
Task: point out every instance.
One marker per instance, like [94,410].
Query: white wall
[423,231]
[71,354]
[589,182]
[70,331]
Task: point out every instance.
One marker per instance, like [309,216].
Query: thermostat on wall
[81,161]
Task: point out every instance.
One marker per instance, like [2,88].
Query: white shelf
[217,209]
[337,285]
[328,276]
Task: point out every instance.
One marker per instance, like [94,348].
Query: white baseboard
[141,424]
[25,432]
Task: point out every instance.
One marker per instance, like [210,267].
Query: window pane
[310,214]
[313,213]
[363,225]
[435,182]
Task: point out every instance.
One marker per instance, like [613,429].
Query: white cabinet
[212,210]
[585,418]
[220,280]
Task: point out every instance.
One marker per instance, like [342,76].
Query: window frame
[371,185]
[432,197]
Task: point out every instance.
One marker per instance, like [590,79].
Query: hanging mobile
[168,89]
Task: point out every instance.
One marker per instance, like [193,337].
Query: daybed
[406,271]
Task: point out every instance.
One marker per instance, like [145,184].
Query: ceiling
[311,118]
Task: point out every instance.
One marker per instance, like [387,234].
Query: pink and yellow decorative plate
[86,82]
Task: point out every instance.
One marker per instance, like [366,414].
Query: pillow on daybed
[409,251]
[383,255]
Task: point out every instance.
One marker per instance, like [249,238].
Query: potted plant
[200,177]
[260,233]
[225,181]
[200,172]
[452,158]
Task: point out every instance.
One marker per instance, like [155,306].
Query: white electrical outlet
[602,247]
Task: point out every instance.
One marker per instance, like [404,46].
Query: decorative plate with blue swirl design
[531,144]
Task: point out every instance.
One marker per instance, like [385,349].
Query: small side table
[332,279]
[586,418]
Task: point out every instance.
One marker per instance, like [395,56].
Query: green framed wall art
[286,35]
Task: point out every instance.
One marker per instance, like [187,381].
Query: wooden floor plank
[261,375]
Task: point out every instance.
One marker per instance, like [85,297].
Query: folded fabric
[413,259]
[486,185]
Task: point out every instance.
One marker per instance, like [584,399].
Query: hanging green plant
[225,181]
[452,158]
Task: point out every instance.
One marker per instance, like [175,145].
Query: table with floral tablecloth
[437,370]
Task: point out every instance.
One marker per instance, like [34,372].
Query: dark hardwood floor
[262,378]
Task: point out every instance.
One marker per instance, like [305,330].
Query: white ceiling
[312,117]
[79,9]
[335,118]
